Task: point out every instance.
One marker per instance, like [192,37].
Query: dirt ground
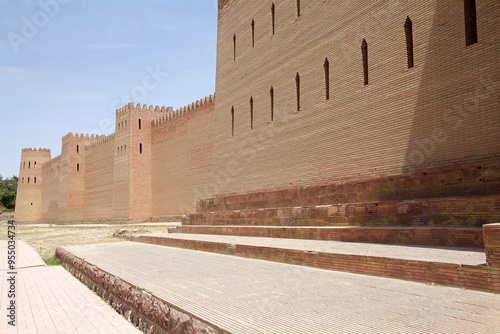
[46,238]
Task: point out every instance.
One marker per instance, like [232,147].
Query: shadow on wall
[456,118]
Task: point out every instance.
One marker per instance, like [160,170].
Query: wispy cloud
[109,46]
[12,74]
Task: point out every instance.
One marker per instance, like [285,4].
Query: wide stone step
[183,291]
[463,268]
[475,180]
[423,236]
[450,211]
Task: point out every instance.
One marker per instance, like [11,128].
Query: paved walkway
[50,300]
[253,296]
[420,253]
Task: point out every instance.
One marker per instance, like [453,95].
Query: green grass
[52,261]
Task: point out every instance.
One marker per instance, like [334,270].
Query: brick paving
[50,300]
[432,254]
[253,296]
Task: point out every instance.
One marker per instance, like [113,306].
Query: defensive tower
[29,189]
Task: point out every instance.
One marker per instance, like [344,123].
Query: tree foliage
[8,189]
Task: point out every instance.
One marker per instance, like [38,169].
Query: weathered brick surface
[450,211]
[492,244]
[472,180]
[447,237]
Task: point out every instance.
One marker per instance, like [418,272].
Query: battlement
[145,108]
[36,150]
[101,140]
[80,136]
[171,114]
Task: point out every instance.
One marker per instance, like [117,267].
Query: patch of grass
[52,261]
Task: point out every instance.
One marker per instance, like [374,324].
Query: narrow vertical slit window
[24,165]
[140,148]
[34,180]
[77,149]
[271,93]
[273,8]
[232,121]
[253,33]
[470,22]
[28,180]
[409,41]
[364,52]
[326,65]
[139,123]
[29,164]
[251,112]
[234,47]
[298,8]
[35,165]
[77,167]
[297,84]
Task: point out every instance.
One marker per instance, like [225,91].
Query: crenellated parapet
[70,135]
[101,140]
[172,114]
[144,108]
[36,150]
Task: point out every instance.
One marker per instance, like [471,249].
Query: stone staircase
[439,212]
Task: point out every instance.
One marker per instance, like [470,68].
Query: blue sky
[66,65]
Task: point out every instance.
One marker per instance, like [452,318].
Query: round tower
[29,186]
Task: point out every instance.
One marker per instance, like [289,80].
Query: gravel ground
[46,238]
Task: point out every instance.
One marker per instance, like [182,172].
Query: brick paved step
[450,211]
[186,291]
[424,236]
[475,180]
[463,268]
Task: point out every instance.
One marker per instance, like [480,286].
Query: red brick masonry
[492,244]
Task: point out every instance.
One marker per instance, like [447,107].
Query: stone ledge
[148,312]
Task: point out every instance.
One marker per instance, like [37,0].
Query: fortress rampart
[309,93]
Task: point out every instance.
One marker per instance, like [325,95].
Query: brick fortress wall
[308,93]
[443,111]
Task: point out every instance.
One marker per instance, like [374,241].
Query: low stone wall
[150,313]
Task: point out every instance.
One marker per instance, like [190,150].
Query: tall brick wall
[50,190]
[182,159]
[443,111]
[100,157]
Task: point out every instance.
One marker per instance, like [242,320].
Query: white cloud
[12,74]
